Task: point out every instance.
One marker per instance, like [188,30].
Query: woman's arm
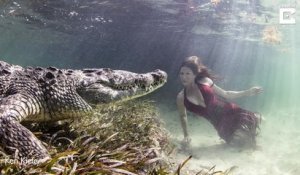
[230,94]
[236,94]
[183,116]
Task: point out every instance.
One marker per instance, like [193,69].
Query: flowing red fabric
[226,117]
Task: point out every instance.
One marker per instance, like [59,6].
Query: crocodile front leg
[15,138]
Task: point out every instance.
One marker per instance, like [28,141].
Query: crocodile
[38,94]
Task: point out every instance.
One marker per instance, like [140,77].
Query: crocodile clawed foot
[17,140]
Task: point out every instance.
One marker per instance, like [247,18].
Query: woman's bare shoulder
[180,94]
[206,81]
[180,99]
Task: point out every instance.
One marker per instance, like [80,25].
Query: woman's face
[187,76]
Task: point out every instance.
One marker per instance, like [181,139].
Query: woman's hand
[254,91]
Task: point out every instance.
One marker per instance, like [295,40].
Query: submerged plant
[271,35]
[124,138]
[121,138]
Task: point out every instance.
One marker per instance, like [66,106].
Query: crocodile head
[106,85]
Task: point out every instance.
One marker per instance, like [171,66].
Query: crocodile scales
[52,94]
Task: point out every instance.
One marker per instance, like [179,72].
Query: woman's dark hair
[195,64]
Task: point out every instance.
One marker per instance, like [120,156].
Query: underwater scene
[150,87]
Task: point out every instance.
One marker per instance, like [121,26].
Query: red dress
[226,117]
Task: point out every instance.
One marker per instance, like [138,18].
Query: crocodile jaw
[122,85]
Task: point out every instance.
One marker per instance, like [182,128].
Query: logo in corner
[286,15]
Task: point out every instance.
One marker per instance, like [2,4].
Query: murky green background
[145,35]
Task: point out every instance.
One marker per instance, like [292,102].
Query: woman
[201,96]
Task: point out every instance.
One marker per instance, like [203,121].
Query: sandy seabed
[278,151]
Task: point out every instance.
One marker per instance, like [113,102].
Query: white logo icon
[286,15]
